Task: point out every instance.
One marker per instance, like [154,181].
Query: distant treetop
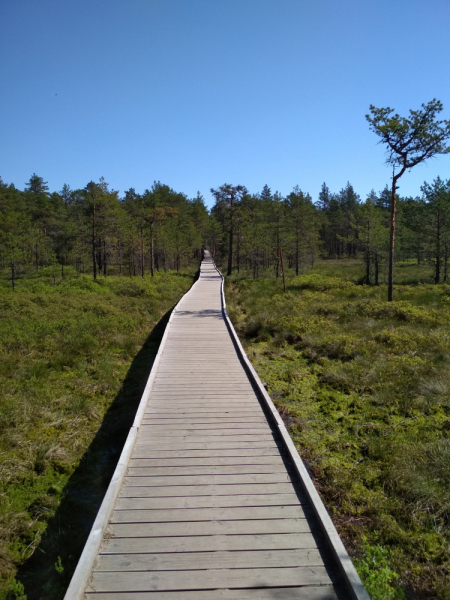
[36,185]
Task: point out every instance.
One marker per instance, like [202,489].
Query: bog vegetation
[362,384]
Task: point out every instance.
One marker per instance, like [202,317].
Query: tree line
[255,231]
[96,231]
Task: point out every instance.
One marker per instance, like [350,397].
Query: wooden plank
[203,398]
[289,593]
[200,388]
[160,414]
[207,461]
[211,355]
[161,408]
[193,424]
[208,560]
[135,491]
[218,394]
[174,381]
[207,393]
[202,412]
[191,480]
[167,368]
[204,403]
[148,451]
[174,443]
[217,420]
[220,437]
[207,579]
[233,513]
[225,407]
[274,462]
[207,501]
[144,471]
[187,429]
[189,528]
[207,543]
[171,378]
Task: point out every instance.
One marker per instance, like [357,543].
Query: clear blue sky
[196,93]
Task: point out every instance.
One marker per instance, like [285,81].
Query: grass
[74,358]
[364,388]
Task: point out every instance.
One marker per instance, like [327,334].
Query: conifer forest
[96,232]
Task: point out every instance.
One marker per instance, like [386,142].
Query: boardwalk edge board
[80,577]
[343,560]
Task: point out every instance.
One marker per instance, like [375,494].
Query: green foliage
[16,591]
[363,386]
[411,140]
[375,573]
[59,566]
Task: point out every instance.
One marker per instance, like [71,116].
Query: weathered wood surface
[209,506]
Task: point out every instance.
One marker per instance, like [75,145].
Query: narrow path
[210,506]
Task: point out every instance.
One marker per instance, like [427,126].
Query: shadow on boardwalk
[67,531]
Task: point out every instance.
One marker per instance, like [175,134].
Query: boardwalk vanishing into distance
[210,499]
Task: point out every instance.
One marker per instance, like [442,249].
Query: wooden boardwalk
[208,502]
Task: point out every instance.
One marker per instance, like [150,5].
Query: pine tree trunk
[142,252]
[445,262]
[395,178]
[277,264]
[152,254]
[377,269]
[392,242]
[280,253]
[230,250]
[437,275]
[94,258]
[238,252]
